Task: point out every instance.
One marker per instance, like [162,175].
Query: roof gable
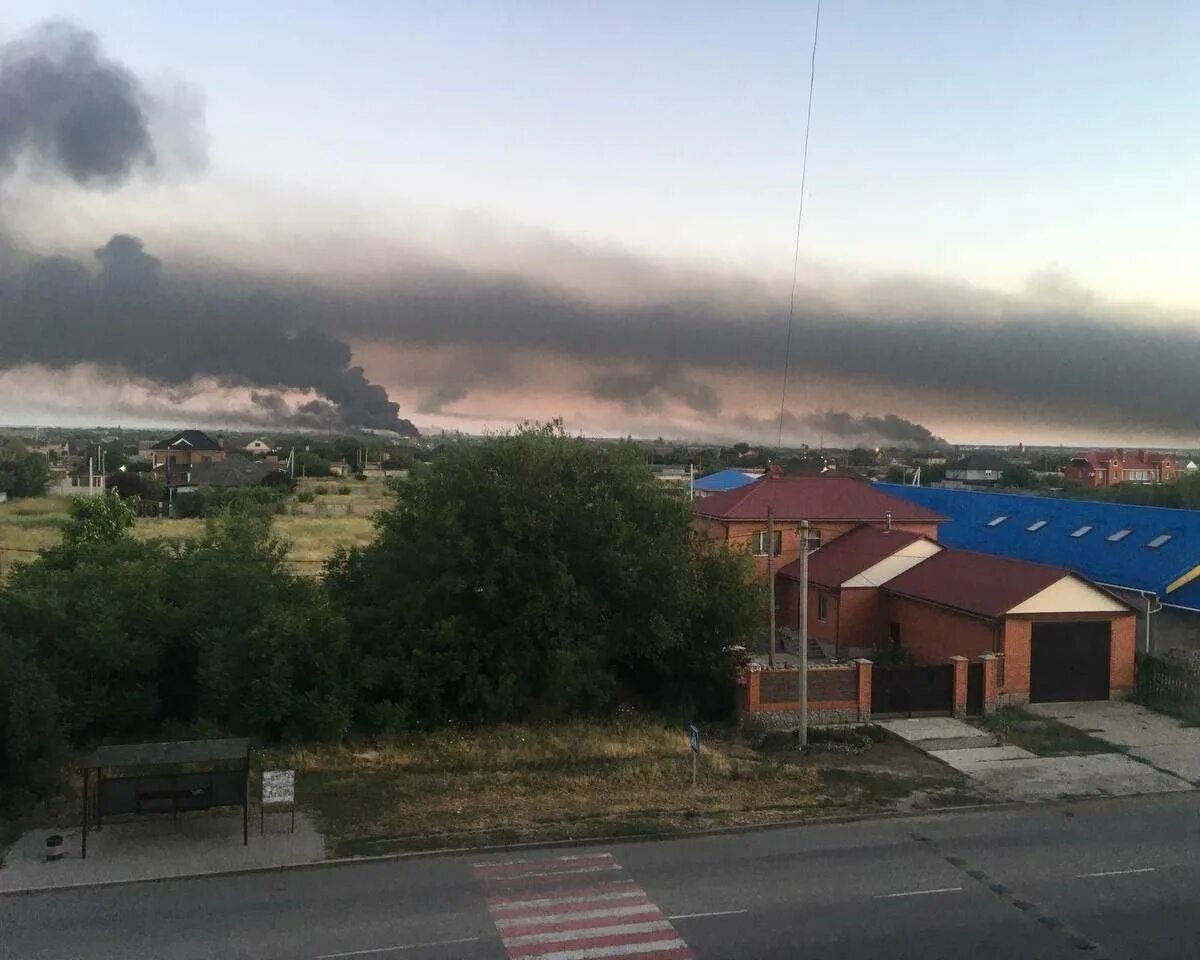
[188,440]
[812,498]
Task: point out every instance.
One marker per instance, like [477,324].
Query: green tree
[536,574]
[103,519]
[23,473]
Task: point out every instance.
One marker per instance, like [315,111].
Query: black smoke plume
[67,110]
[130,315]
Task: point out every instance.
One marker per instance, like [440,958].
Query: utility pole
[771,585]
[803,634]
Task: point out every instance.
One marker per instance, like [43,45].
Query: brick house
[875,593]
[832,505]
[1107,468]
[176,455]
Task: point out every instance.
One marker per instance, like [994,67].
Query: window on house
[996,521]
[1159,541]
[814,537]
[760,543]
[1083,531]
[822,607]
[1119,535]
[1036,525]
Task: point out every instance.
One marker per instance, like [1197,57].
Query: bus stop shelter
[162,778]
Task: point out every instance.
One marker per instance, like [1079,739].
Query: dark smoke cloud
[67,110]
[1064,359]
[134,317]
[648,390]
[888,429]
[71,110]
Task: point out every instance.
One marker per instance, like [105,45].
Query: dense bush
[210,502]
[538,574]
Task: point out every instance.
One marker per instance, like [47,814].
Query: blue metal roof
[723,480]
[1059,535]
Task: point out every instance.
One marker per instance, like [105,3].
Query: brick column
[990,686]
[864,689]
[753,678]
[960,686]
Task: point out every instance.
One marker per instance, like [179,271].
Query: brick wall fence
[837,693]
[841,693]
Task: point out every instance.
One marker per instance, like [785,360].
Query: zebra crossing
[576,908]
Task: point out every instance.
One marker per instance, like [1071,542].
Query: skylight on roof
[1119,535]
[1159,541]
[996,521]
[1036,525]
[1083,531]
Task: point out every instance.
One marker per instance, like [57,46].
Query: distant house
[176,455]
[257,448]
[1107,468]
[233,470]
[977,470]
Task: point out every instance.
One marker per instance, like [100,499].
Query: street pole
[771,585]
[803,634]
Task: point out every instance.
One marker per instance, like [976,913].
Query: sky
[632,171]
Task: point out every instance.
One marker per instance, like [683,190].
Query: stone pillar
[990,686]
[864,689]
[960,686]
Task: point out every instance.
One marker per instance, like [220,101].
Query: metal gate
[1070,661]
[910,690]
[975,689]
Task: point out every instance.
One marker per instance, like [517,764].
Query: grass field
[581,779]
[29,525]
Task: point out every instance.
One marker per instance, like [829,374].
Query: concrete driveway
[1153,738]
[1008,772]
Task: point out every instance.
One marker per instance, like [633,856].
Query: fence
[1170,684]
[837,693]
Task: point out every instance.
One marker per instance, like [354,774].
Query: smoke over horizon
[68,111]
[302,325]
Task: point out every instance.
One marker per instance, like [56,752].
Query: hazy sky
[976,143]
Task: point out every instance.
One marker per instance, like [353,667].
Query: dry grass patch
[515,782]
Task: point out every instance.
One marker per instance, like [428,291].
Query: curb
[528,845]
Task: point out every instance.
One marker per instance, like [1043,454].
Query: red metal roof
[976,582]
[849,555]
[812,498]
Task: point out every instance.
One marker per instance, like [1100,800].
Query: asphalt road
[1112,879]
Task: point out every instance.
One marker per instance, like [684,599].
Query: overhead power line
[787,352]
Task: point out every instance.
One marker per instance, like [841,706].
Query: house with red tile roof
[1107,468]
[832,506]
[895,594]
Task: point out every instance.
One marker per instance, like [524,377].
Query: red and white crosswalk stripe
[576,908]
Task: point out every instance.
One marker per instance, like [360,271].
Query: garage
[1069,660]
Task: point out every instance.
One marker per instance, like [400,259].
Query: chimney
[888,515]
[774,471]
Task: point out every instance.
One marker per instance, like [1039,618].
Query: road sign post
[694,743]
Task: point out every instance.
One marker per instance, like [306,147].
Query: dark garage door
[1069,661]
